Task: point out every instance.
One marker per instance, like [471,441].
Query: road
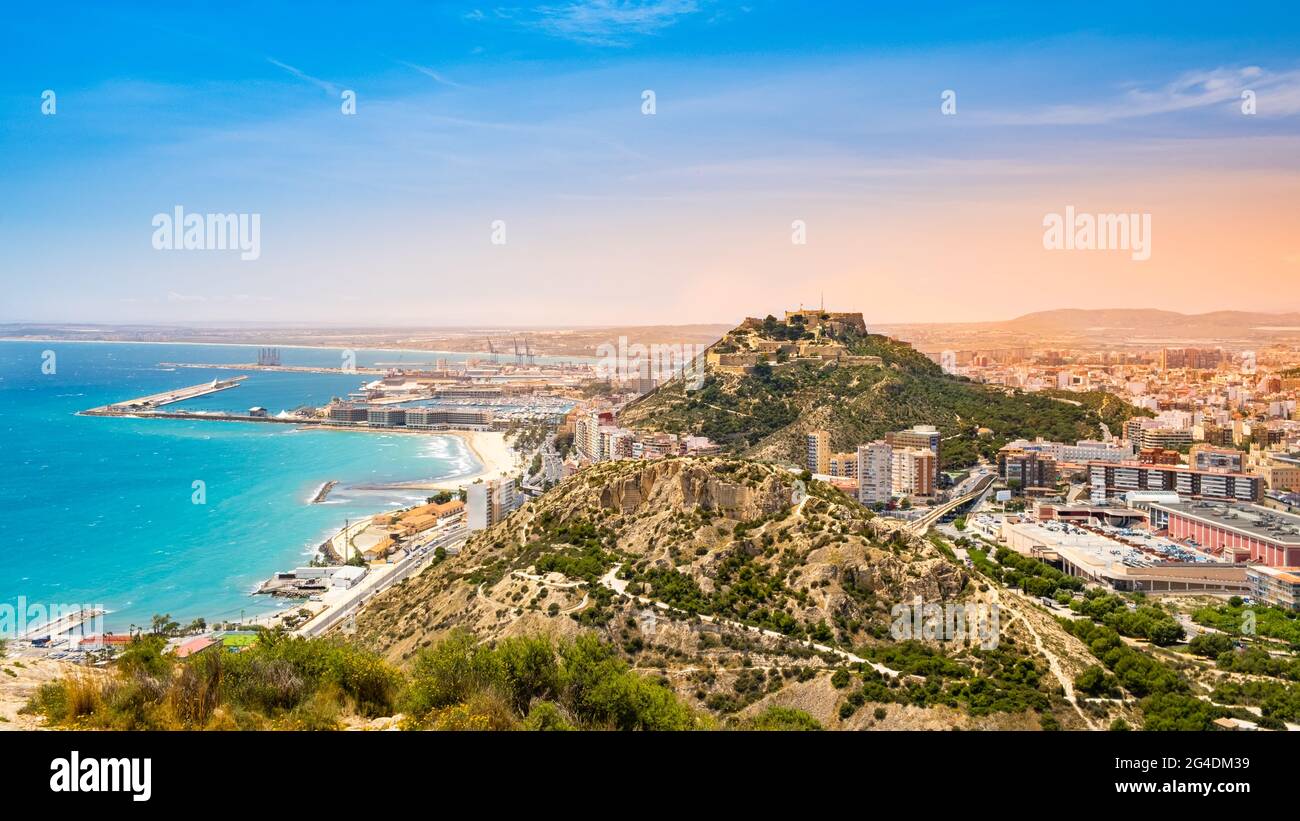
[923,524]
[416,560]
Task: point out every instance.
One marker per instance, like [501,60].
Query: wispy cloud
[324,85]
[1277,94]
[600,22]
[428,72]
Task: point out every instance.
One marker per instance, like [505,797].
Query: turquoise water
[100,511]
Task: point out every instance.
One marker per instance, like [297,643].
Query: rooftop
[1099,546]
[1254,520]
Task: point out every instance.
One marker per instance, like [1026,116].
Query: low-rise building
[1268,536]
[343,413]
[1125,560]
[1278,586]
[380,416]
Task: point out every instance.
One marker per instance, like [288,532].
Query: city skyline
[767,124]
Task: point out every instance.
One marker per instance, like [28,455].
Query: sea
[185,518]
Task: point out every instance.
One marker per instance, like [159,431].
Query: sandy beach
[492,451]
[490,448]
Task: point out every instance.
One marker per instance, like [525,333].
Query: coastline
[495,456]
[313,464]
[562,358]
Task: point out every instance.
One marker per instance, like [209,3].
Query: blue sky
[767,112]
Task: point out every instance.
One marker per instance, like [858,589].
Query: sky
[500,166]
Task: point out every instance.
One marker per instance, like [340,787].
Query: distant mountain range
[1103,328]
[1150,320]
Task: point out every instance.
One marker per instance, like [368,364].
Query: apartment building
[1208,457]
[489,502]
[919,436]
[875,472]
[1108,480]
[818,452]
[1021,468]
[914,471]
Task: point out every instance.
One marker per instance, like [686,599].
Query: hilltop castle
[805,335]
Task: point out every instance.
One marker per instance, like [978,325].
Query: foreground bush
[280,682]
[531,683]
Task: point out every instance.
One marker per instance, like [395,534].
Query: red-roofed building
[197,644]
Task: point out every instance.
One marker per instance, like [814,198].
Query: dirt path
[1052,661]
[619,586]
[17,689]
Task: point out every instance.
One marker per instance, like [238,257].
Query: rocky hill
[768,383]
[736,585]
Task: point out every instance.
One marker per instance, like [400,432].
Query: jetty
[324,491]
[158,400]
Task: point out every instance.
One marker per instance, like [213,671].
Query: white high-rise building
[875,483]
[912,471]
[489,502]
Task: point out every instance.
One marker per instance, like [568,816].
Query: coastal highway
[419,558]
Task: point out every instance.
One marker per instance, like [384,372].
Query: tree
[1097,683]
[783,718]
[164,625]
[1210,645]
[1165,632]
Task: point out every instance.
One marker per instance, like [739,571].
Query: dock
[158,400]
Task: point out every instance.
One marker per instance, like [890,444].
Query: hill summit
[769,382]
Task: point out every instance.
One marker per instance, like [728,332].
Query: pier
[158,400]
[64,625]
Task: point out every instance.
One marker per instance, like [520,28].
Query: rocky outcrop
[684,484]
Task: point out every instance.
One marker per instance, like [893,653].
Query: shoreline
[489,447]
[562,357]
[495,458]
